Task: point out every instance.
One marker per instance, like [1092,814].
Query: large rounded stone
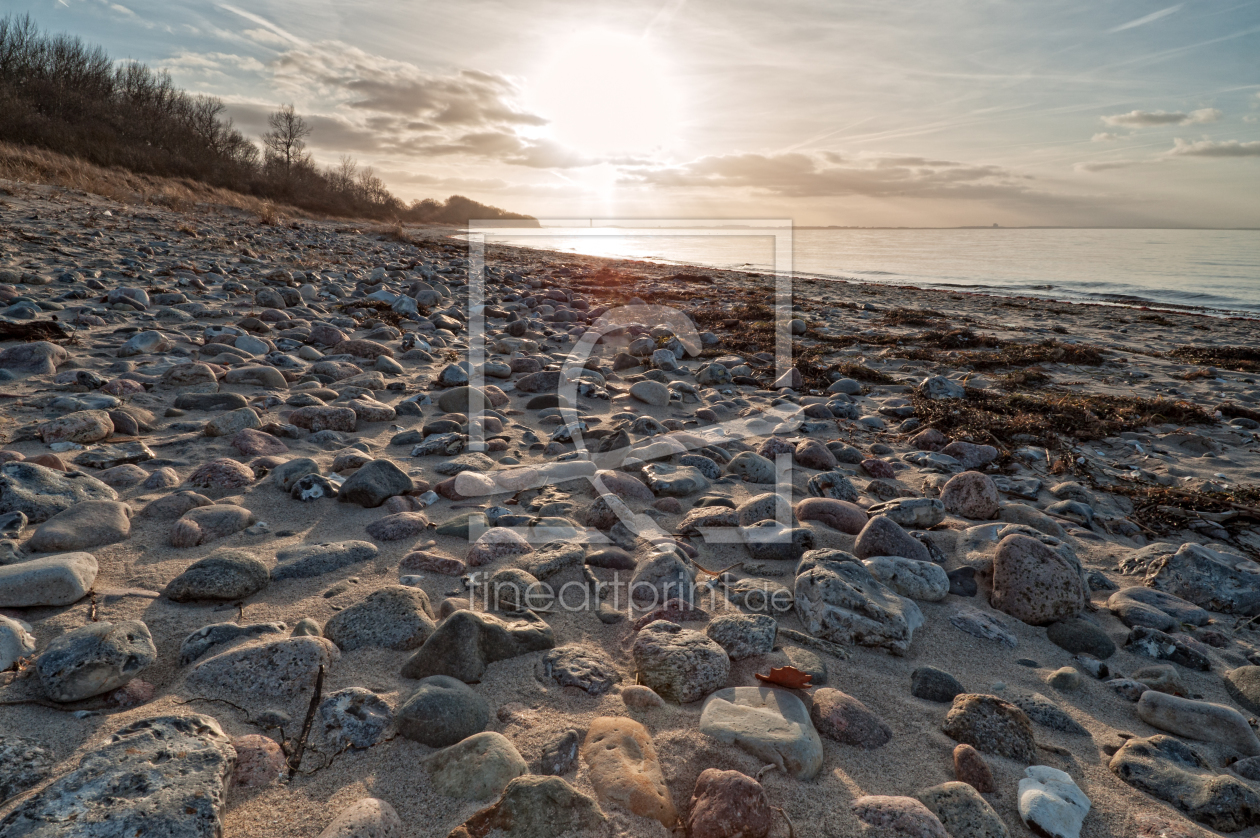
[971,495]
[728,804]
[680,665]
[1034,583]
[209,523]
[771,724]
[441,712]
[53,580]
[743,635]
[1200,720]
[223,575]
[883,537]
[845,719]
[477,768]
[1080,636]
[175,770]
[375,483]
[837,514]
[393,617]
[1170,770]
[900,816]
[84,426]
[992,726]
[95,659]
[534,807]
[624,769]
[1243,685]
[962,811]
[367,818]
[839,600]
[40,493]
[466,642]
[910,578]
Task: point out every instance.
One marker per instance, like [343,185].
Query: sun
[607,93]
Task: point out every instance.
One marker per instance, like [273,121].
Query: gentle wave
[1217,271]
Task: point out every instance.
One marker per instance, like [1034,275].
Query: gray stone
[915,513]
[1138,606]
[40,493]
[286,475]
[917,580]
[680,665]
[441,712]
[16,642]
[206,638]
[164,777]
[554,557]
[52,580]
[277,668]
[112,456]
[676,481]
[1208,578]
[534,807]
[845,719]
[743,635]
[980,624]
[1155,644]
[754,468]
[832,484]
[575,666]
[991,726]
[1200,720]
[1050,802]
[933,684]
[1046,713]
[466,642]
[309,560]
[24,763]
[883,537]
[366,818]
[354,718]
[650,392]
[1080,636]
[962,811]
[839,600]
[771,724]
[374,483]
[477,768]
[393,617]
[662,577]
[1170,770]
[95,659]
[1243,685]
[223,575]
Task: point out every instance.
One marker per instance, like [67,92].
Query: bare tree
[286,141]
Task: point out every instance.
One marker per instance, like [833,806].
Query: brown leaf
[786,676]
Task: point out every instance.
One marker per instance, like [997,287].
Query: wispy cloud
[799,175]
[1151,18]
[1208,148]
[1104,165]
[1150,119]
[1104,137]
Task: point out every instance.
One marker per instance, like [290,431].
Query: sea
[1214,271]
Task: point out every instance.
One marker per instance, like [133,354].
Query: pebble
[728,804]
[441,712]
[991,726]
[49,581]
[366,818]
[846,719]
[1050,802]
[623,768]
[476,768]
[771,724]
[901,816]
[223,575]
[962,811]
[970,768]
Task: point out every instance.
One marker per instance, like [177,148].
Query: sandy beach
[1091,432]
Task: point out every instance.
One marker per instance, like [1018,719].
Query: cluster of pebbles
[307,531]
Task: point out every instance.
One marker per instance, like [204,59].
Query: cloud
[1104,137]
[1208,148]
[1142,21]
[1150,119]
[1104,165]
[798,175]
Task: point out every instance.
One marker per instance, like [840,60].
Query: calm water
[1213,269]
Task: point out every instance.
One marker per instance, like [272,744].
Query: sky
[836,112]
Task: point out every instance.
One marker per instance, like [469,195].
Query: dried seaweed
[910,317]
[861,372]
[1050,416]
[1237,358]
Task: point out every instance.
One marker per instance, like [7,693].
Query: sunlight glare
[608,93]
